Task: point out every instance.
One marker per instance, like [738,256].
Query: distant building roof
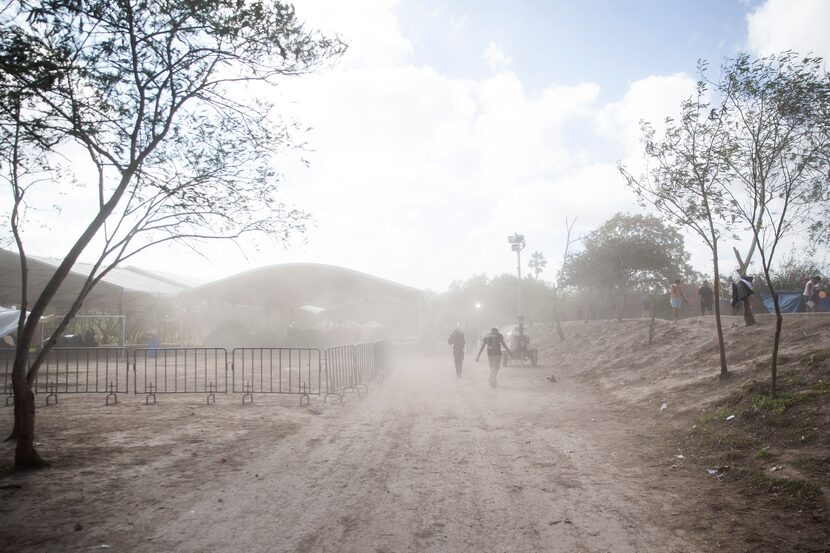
[294,285]
[308,286]
[127,280]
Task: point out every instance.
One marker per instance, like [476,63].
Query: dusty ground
[425,462]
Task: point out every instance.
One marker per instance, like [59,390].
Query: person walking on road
[493,342]
[457,341]
[706,298]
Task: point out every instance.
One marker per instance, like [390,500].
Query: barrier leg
[150,393]
[111,394]
[248,389]
[53,393]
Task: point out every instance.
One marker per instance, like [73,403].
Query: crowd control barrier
[350,367]
[98,370]
[210,371]
[277,371]
[340,374]
[180,371]
[6,367]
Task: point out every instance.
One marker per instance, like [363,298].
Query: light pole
[517,244]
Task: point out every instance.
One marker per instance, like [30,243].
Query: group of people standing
[494,342]
[677,298]
[741,290]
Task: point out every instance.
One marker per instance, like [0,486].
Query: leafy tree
[777,152]
[685,182]
[496,298]
[629,253]
[537,263]
[793,272]
[164,101]
[820,224]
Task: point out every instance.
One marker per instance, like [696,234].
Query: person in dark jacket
[741,290]
[706,298]
[493,342]
[457,341]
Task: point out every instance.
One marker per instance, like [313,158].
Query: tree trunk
[749,318]
[556,319]
[651,325]
[621,307]
[718,325]
[778,323]
[776,341]
[25,456]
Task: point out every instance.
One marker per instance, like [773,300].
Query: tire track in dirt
[432,463]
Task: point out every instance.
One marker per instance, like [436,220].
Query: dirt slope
[771,487]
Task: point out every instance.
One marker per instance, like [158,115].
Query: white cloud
[799,25]
[370,27]
[651,99]
[496,58]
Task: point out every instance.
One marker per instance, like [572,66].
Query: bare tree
[165,102]
[684,181]
[777,152]
[557,319]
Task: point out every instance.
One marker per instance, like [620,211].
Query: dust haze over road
[428,462]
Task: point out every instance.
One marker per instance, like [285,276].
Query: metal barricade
[340,371]
[180,371]
[98,370]
[6,367]
[277,371]
[364,363]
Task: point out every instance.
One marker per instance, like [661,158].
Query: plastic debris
[730,417]
[718,471]
[775,468]
[679,456]
[664,406]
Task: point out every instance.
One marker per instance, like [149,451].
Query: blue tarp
[792,302]
[788,302]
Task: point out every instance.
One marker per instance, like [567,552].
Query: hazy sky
[449,125]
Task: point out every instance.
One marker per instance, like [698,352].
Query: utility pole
[517,244]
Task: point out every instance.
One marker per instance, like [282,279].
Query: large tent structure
[282,299]
[271,304]
[123,286]
[146,299]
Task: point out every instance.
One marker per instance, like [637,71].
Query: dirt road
[428,462]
